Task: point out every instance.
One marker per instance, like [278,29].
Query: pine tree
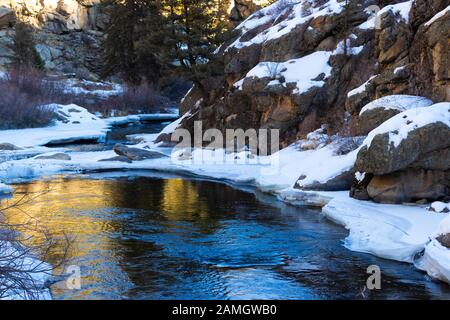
[25,53]
[122,48]
[193,32]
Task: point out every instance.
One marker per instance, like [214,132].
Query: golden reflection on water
[85,209]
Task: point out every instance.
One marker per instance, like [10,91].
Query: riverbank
[398,232]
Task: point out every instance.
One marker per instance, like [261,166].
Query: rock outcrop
[68,33]
[298,65]
[407,157]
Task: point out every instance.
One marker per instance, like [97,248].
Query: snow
[361,88]
[439,206]
[402,9]
[39,273]
[436,258]
[79,87]
[4,189]
[435,261]
[340,49]
[300,71]
[77,124]
[397,232]
[174,125]
[115,121]
[297,16]
[439,15]
[397,102]
[401,124]
[398,69]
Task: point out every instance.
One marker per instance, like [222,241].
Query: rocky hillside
[302,65]
[68,33]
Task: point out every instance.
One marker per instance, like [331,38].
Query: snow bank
[397,232]
[397,102]
[300,71]
[4,189]
[435,261]
[75,123]
[436,258]
[400,125]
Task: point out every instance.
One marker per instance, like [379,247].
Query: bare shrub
[21,274]
[273,69]
[22,97]
[134,99]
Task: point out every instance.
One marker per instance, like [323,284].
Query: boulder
[408,157]
[8,147]
[424,147]
[341,182]
[117,159]
[56,156]
[136,154]
[444,240]
[410,185]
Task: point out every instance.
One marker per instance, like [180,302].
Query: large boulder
[136,154]
[410,185]
[408,157]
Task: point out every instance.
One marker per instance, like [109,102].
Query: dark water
[171,238]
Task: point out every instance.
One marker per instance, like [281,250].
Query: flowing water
[164,237]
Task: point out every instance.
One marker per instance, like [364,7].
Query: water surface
[163,237]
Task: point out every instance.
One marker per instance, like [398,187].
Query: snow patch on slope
[300,71]
[297,15]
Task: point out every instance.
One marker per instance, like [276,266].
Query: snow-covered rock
[408,156]
[397,102]
[439,207]
[378,111]
[302,72]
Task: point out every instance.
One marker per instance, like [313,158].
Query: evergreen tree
[193,32]
[121,48]
[155,38]
[25,53]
